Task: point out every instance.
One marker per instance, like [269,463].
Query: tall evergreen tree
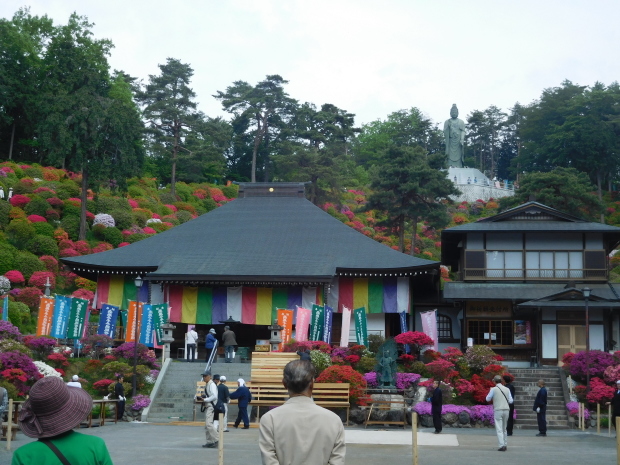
[169,110]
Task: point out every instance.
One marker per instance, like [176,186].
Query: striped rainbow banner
[250,305]
[377,295]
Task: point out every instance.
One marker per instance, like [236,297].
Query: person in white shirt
[75,382]
[501,397]
[209,398]
[191,337]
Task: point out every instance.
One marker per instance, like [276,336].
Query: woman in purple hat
[50,414]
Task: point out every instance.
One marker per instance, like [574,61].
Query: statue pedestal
[388,408]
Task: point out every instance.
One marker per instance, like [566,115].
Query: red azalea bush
[82,247]
[84,294]
[39,279]
[415,338]
[452,354]
[440,369]
[464,387]
[431,355]
[31,296]
[16,277]
[567,358]
[92,365]
[345,374]
[352,359]
[492,370]
[482,387]
[19,201]
[612,374]
[58,360]
[103,386]
[36,219]
[599,391]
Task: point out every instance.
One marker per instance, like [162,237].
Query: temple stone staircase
[175,399]
[526,388]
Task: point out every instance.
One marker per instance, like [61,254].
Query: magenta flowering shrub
[482,413]
[41,345]
[16,277]
[598,362]
[21,361]
[126,350]
[371,379]
[403,380]
[140,401]
[573,409]
[9,331]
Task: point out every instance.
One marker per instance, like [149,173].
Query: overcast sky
[368,57]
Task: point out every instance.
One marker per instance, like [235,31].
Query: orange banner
[285,319]
[135,309]
[46,310]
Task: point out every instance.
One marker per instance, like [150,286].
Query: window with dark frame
[444,327]
[502,329]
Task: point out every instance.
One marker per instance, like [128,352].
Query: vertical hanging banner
[146,329]
[285,319]
[301,325]
[429,326]
[62,307]
[77,316]
[346,327]
[46,310]
[160,316]
[5,308]
[107,320]
[403,328]
[327,327]
[361,330]
[318,323]
[134,313]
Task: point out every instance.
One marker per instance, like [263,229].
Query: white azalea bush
[105,220]
[153,220]
[45,369]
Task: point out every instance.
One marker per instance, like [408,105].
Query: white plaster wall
[375,324]
[597,337]
[475,241]
[544,241]
[594,241]
[549,341]
[505,241]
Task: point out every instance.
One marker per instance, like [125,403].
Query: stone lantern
[167,338]
[276,336]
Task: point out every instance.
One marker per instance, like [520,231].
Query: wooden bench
[327,395]
[267,367]
[387,405]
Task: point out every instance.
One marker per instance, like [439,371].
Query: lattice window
[444,327]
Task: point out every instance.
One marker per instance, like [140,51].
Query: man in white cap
[615,404]
[75,382]
[209,398]
[501,397]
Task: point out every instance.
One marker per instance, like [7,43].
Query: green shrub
[320,360]
[183,216]
[209,204]
[68,189]
[420,368]
[172,221]
[33,172]
[23,187]
[43,245]
[5,208]
[71,224]
[7,257]
[141,218]
[231,191]
[37,206]
[374,342]
[136,237]
[163,210]
[183,191]
[124,219]
[366,364]
[136,191]
[44,229]
[71,210]
[28,263]
[108,204]
[113,236]
[19,232]
[167,198]
[19,313]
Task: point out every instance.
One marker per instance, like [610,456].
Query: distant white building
[474,185]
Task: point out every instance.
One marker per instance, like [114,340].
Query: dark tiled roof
[269,237]
[533,226]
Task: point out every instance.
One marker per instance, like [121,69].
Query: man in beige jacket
[300,432]
[501,397]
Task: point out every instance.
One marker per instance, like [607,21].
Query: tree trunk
[175,152]
[413,234]
[600,192]
[84,198]
[401,234]
[12,139]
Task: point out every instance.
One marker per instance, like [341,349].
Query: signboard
[523,332]
[489,309]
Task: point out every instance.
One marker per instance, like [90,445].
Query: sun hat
[75,378]
[212,331]
[53,408]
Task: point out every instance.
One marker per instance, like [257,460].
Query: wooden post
[9,425]
[617,440]
[414,437]
[609,421]
[221,428]
[579,415]
[598,418]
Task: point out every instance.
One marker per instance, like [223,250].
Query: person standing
[299,432]
[540,407]
[119,393]
[304,354]
[244,397]
[501,397]
[615,404]
[511,410]
[191,337]
[210,344]
[223,394]
[209,397]
[75,382]
[436,404]
[230,342]
[50,414]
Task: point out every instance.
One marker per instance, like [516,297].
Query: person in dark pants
[540,407]
[436,403]
[244,397]
[210,344]
[615,404]
[511,410]
[119,393]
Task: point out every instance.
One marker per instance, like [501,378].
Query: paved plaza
[143,443]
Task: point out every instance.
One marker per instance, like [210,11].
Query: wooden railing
[486,274]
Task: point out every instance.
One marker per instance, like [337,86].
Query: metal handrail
[212,356]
